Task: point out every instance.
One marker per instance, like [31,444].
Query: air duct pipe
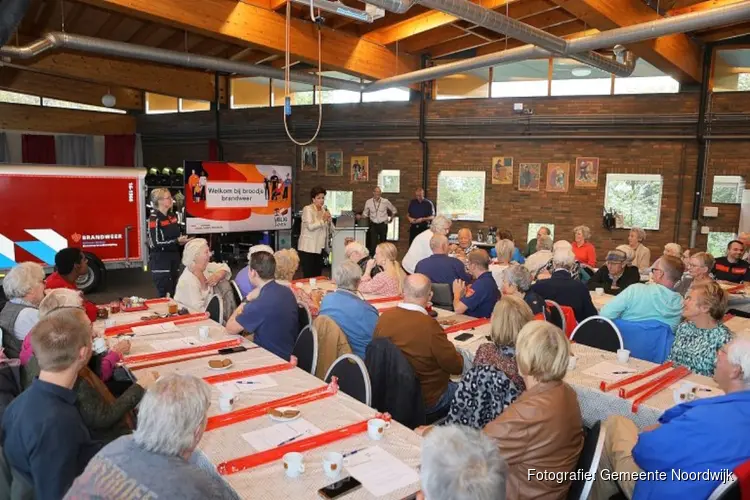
[631,34]
[57,40]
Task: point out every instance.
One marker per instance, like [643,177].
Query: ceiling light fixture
[581,72]
[338,8]
[108,100]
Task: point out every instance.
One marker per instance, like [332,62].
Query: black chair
[588,461]
[353,378]
[12,482]
[442,296]
[237,293]
[598,332]
[306,349]
[554,314]
[304,317]
[727,491]
[215,309]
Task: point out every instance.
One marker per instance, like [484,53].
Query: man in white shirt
[543,254]
[380,212]
[420,247]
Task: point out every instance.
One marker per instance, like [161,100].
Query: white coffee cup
[203,332]
[109,323]
[226,401]
[313,283]
[571,363]
[599,291]
[332,464]
[99,346]
[376,428]
[294,464]
[623,355]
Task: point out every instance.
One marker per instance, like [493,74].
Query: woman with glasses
[698,267]
[199,279]
[24,289]
[164,240]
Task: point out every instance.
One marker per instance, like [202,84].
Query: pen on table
[286,441]
[349,454]
[249,382]
[622,373]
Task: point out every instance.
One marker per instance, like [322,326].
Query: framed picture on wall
[502,170]
[557,177]
[587,172]
[310,158]
[529,176]
[360,169]
[334,163]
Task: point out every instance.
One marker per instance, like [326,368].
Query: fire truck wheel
[95,277]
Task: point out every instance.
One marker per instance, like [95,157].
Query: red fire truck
[97,209]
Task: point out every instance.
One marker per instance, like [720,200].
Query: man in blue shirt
[243,276]
[479,300]
[272,316]
[355,317]
[44,438]
[707,434]
[440,267]
[420,213]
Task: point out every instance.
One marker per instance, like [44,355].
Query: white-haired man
[243,276]
[707,434]
[24,288]
[543,254]
[360,255]
[420,247]
[154,461]
[563,288]
[460,463]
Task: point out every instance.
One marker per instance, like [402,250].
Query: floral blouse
[382,284]
[503,358]
[696,348]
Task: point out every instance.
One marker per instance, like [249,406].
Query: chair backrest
[215,309]
[303,316]
[650,340]
[727,491]
[306,349]
[588,461]
[442,296]
[555,316]
[353,378]
[332,343]
[599,332]
[236,290]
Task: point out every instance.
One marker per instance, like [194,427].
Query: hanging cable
[287,67]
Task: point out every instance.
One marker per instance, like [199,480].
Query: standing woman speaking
[164,240]
[313,237]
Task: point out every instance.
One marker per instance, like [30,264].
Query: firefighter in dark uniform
[164,240]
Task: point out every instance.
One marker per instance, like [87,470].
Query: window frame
[339,191]
[530,236]
[636,177]
[736,181]
[469,174]
[389,173]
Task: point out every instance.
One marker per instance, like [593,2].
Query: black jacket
[601,279]
[395,387]
[163,232]
[566,291]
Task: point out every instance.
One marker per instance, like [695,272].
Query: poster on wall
[529,176]
[587,172]
[334,163]
[502,170]
[360,169]
[223,197]
[557,177]
[309,158]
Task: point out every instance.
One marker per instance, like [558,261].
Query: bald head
[417,289]
[439,244]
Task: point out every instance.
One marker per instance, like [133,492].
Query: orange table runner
[251,372]
[113,331]
[157,356]
[381,300]
[466,325]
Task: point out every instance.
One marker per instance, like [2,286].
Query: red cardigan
[55,281]
[585,254]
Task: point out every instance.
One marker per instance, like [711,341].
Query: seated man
[543,254]
[732,268]
[460,463]
[71,264]
[360,255]
[657,300]
[44,438]
[480,298]
[465,244]
[531,247]
[272,316]
[243,276]
[155,460]
[708,434]
[424,344]
[615,276]
[440,267]
[563,288]
[356,317]
[420,247]
[24,288]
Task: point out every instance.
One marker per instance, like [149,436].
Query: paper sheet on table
[701,391]
[155,329]
[174,344]
[380,472]
[278,434]
[611,372]
[247,384]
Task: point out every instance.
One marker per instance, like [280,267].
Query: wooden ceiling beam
[718,35]
[242,23]
[113,21]
[64,121]
[430,38]
[676,55]
[699,7]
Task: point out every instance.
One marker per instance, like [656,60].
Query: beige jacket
[314,231]
[332,343]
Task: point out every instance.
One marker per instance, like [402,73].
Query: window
[463,85]
[392,234]
[570,77]
[386,95]
[460,195]
[336,96]
[158,104]
[534,228]
[339,201]
[300,94]
[637,197]
[390,181]
[728,189]
[646,79]
[253,92]
[19,98]
[731,71]
[521,79]
[59,103]
[717,243]
[187,105]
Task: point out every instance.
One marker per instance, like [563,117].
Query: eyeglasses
[655,269]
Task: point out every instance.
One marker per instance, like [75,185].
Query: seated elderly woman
[197,282]
[642,254]
[582,248]
[391,280]
[702,334]
[615,276]
[506,234]
[465,245]
[287,263]
[543,254]
[504,249]
[698,269]
[517,282]
[546,271]
[510,315]
[242,279]
[24,289]
[542,429]
[156,458]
